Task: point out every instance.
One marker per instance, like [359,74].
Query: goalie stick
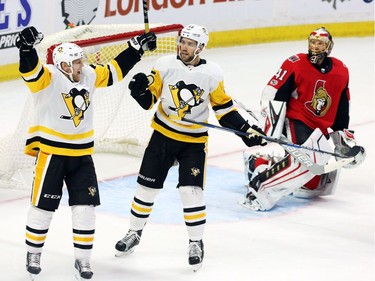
[295,150]
[317,169]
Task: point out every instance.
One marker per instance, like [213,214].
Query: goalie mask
[320,45]
[197,33]
[67,52]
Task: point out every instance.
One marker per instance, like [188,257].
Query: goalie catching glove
[143,42]
[344,140]
[28,39]
[254,137]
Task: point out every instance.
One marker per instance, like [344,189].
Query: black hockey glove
[144,42]
[28,39]
[254,137]
[138,85]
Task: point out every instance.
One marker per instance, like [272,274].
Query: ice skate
[196,253]
[126,245]
[83,270]
[33,264]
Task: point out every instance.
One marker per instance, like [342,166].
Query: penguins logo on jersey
[321,101]
[185,97]
[77,102]
[195,171]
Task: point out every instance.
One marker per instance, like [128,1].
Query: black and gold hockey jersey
[187,91]
[63,119]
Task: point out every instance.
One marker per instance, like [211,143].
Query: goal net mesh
[120,124]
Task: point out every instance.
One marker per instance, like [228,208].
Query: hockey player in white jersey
[61,137]
[185,85]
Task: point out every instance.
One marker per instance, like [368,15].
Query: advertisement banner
[51,16]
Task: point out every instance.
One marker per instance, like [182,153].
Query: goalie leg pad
[285,176]
[327,186]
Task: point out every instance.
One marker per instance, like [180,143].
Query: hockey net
[120,124]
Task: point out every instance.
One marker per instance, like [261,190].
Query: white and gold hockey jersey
[63,119]
[187,91]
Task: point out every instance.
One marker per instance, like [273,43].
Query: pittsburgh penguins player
[61,138]
[185,85]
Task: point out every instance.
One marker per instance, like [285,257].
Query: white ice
[328,239]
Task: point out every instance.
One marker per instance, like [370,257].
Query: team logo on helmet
[79,12]
[321,101]
[185,97]
[77,102]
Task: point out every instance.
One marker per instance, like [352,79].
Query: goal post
[120,124]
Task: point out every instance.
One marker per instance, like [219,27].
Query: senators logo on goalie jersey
[321,101]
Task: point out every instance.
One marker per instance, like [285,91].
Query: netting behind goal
[120,124]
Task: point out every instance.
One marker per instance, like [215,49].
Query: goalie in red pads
[306,99]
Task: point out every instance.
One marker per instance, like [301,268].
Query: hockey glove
[138,85]
[254,137]
[343,141]
[143,42]
[28,39]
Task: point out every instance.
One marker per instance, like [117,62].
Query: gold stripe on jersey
[61,135]
[108,74]
[102,76]
[37,79]
[179,136]
[40,167]
[33,147]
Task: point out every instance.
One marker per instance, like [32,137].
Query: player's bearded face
[77,69]
[187,49]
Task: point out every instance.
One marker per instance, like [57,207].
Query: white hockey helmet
[196,33]
[66,52]
[323,35]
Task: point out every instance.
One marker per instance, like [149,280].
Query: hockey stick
[145,16]
[352,152]
[295,151]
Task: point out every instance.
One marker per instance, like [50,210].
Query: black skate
[83,270]
[33,264]
[126,245]
[196,253]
